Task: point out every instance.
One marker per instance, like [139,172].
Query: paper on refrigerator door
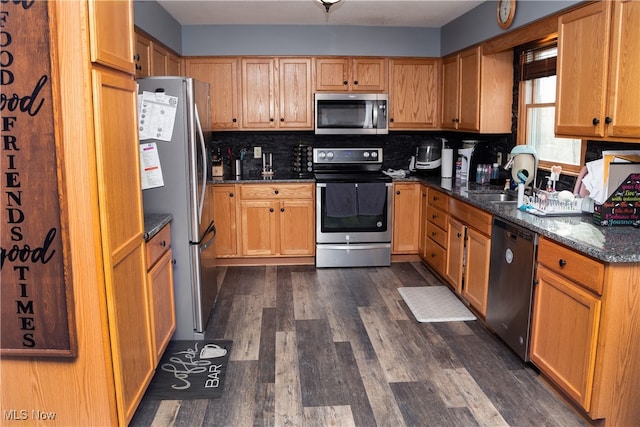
[156,115]
[150,169]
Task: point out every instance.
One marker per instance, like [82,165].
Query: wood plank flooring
[339,347]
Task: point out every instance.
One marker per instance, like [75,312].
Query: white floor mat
[435,304]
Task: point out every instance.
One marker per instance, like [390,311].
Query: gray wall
[475,26]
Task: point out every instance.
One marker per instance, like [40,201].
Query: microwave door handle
[375,115]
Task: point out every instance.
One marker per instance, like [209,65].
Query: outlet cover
[257,152]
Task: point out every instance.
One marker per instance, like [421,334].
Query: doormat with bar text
[191,370]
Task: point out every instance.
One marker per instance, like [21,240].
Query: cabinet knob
[234,120]
[434,216]
[276,192]
[271,119]
[562,262]
[595,121]
[435,198]
[270,209]
[230,194]
[391,120]
[355,82]
[163,244]
[173,261]
[459,235]
[433,233]
[281,209]
[345,82]
[398,192]
[136,57]
[608,120]
[433,255]
[282,119]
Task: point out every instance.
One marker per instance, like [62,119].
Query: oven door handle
[355,246]
[324,184]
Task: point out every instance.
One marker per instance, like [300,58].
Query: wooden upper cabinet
[276,93]
[111,34]
[174,65]
[598,63]
[347,74]
[295,108]
[414,93]
[477,91]
[222,75]
[142,56]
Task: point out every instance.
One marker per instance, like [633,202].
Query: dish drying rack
[547,203]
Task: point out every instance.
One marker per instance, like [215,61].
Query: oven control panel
[347,155]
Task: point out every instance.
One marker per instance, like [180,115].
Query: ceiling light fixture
[328,3]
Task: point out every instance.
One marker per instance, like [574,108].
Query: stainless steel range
[353,208]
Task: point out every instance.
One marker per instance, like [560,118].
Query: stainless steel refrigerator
[185,165]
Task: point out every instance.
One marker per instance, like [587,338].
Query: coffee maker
[428,156]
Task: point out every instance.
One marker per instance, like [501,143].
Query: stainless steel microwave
[351,113]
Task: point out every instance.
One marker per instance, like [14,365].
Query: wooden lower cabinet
[437,223]
[565,333]
[265,220]
[468,255]
[224,213]
[584,332]
[406,218]
[160,289]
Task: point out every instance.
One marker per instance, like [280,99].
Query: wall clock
[505,11]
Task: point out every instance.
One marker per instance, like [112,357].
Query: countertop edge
[153,223]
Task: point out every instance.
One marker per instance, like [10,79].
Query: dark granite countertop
[153,223]
[249,178]
[607,244]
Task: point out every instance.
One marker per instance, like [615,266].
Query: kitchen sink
[502,197]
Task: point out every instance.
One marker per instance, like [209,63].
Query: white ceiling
[411,13]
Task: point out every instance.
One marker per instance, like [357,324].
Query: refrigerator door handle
[204,165]
[211,228]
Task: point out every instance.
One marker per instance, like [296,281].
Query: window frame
[522,127]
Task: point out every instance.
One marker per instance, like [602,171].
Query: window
[537,110]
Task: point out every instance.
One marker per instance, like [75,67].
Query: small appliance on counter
[428,157]
[217,168]
[465,155]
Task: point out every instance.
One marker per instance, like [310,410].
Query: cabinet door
[564,334]
[624,87]
[297,227]
[224,214]
[295,108]
[450,93]
[455,254]
[422,229]
[174,65]
[143,56]
[162,303]
[259,227]
[583,53]
[332,74]
[406,218]
[122,229]
[258,93]
[368,74]
[476,275]
[158,60]
[469,89]
[222,76]
[111,34]
[413,92]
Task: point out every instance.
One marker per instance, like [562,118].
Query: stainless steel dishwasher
[511,272]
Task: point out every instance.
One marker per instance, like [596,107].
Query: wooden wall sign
[35,285]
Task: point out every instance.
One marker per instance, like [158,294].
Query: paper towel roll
[447,163]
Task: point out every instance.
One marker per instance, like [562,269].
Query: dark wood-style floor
[340,347]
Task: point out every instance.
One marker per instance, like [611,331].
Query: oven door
[352,229]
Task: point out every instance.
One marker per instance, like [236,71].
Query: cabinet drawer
[438,200]
[470,215]
[579,268]
[435,256]
[271,192]
[158,245]
[437,234]
[438,217]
